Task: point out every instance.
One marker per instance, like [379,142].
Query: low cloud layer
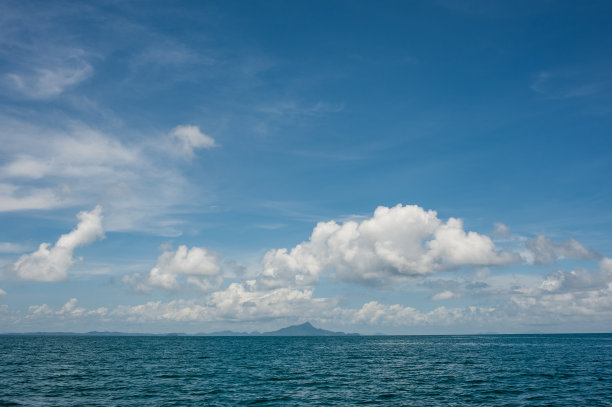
[396,244]
[582,297]
[51,263]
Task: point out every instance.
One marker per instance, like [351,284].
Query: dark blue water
[514,370]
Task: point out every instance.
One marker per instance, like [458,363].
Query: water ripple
[511,370]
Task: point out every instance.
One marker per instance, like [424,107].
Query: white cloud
[585,302]
[396,243]
[568,297]
[192,138]
[50,75]
[542,250]
[39,310]
[375,313]
[51,263]
[48,167]
[196,267]
[68,310]
[8,247]
[443,295]
[80,152]
[69,167]
[25,167]
[167,54]
[239,302]
[500,230]
[561,281]
[2,292]
[246,302]
[23,198]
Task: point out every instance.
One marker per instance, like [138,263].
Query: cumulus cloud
[542,250]
[577,296]
[245,301]
[192,138]
[563,296]
[196,267]
[51,263]
[239,302]
[2,292]
[462,287]
[375,313]
[560,281]
[69,310]
[398,242]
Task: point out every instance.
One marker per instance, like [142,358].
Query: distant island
[305,329]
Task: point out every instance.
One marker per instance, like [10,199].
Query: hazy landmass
[305,329]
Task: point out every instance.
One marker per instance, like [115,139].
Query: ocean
[499,370]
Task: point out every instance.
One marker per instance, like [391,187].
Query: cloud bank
[577,296]
[394,245]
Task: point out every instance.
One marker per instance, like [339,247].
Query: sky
[423,167]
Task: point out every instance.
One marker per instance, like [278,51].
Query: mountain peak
[305,329]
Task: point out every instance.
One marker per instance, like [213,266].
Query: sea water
[500,370]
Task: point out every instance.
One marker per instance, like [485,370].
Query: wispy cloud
[567,84]
[192,139]
[8,247]
[72,164]
[22,198]
[41,60]
[542,250]
[50,76]
[291,109]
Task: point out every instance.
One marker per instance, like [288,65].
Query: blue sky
[399,167]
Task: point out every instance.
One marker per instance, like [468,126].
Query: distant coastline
[305,329]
